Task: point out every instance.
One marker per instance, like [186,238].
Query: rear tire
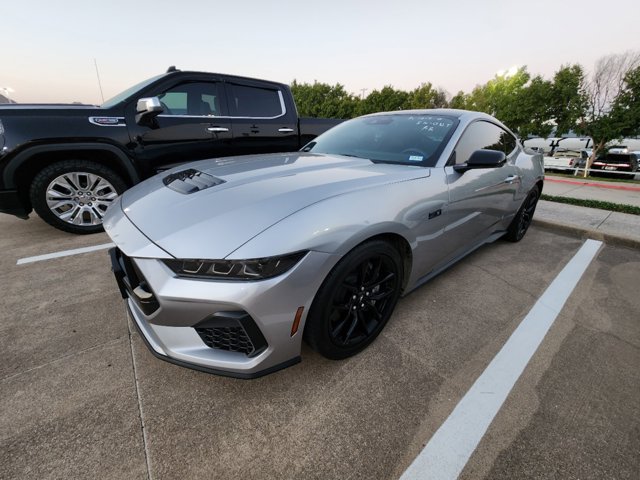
[355,301]
[521,222]
[73,195]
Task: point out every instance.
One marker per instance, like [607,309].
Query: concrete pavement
[81,394]
[612,227]
[615,192]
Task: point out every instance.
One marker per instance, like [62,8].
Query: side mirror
[147,109]
[482,159]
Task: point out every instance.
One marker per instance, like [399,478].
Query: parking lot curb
[574,230]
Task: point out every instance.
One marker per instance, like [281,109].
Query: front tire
[355,301]
[521,222]
[73,195]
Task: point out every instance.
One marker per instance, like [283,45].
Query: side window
[194,98]
[509,142]
[483,135]
[247,101]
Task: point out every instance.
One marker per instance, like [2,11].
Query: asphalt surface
[83,398]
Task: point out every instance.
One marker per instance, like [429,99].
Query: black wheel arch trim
[9,174]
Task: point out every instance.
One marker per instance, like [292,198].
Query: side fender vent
[190,181]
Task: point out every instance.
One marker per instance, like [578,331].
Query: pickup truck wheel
[73,195]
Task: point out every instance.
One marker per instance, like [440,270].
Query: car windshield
[112,102]
[410,139]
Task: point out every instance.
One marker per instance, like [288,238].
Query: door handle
[218,129]
[512,178]
[285,130]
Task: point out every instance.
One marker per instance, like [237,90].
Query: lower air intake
[233,339]
[233,332]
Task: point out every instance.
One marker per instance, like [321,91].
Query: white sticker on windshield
[415,158]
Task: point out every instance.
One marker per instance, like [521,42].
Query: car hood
[242,196]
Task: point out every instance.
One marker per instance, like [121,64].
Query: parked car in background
[549,146]
[69,162]
[563,160]
[617,158]
[226,265]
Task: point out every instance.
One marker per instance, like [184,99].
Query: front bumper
[150,341]
[168,309]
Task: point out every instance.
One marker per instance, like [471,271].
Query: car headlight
[253,269]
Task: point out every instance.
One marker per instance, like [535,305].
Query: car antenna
[172,68]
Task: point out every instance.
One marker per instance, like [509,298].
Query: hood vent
[190,181]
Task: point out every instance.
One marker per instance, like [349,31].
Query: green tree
[567,99]
[503,97]
[426,96]
[459,100]
[532,103]
[324,100]
[514,98]
[608,115]
[626,107]
[384,100]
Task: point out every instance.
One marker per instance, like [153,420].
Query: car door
[481,200]
[194,125]
[261,122]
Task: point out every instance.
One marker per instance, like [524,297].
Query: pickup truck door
[193,126]
[261,119]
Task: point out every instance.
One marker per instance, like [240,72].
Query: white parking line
[64,253]
[451,446]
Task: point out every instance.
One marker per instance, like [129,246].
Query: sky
[47,48]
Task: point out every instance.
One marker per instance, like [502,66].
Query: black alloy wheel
[524,217]
[355,301]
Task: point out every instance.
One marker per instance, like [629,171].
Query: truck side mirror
[147,109]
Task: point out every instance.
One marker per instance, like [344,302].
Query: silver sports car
[226,265]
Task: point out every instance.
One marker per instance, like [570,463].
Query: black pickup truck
[68,162]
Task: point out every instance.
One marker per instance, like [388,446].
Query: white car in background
[562,160]
[549,146]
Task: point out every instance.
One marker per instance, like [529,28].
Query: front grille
[233,339]
[233,332]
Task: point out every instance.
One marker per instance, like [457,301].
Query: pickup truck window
[129,92]
[255,102]
[193,99]
[206,115]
